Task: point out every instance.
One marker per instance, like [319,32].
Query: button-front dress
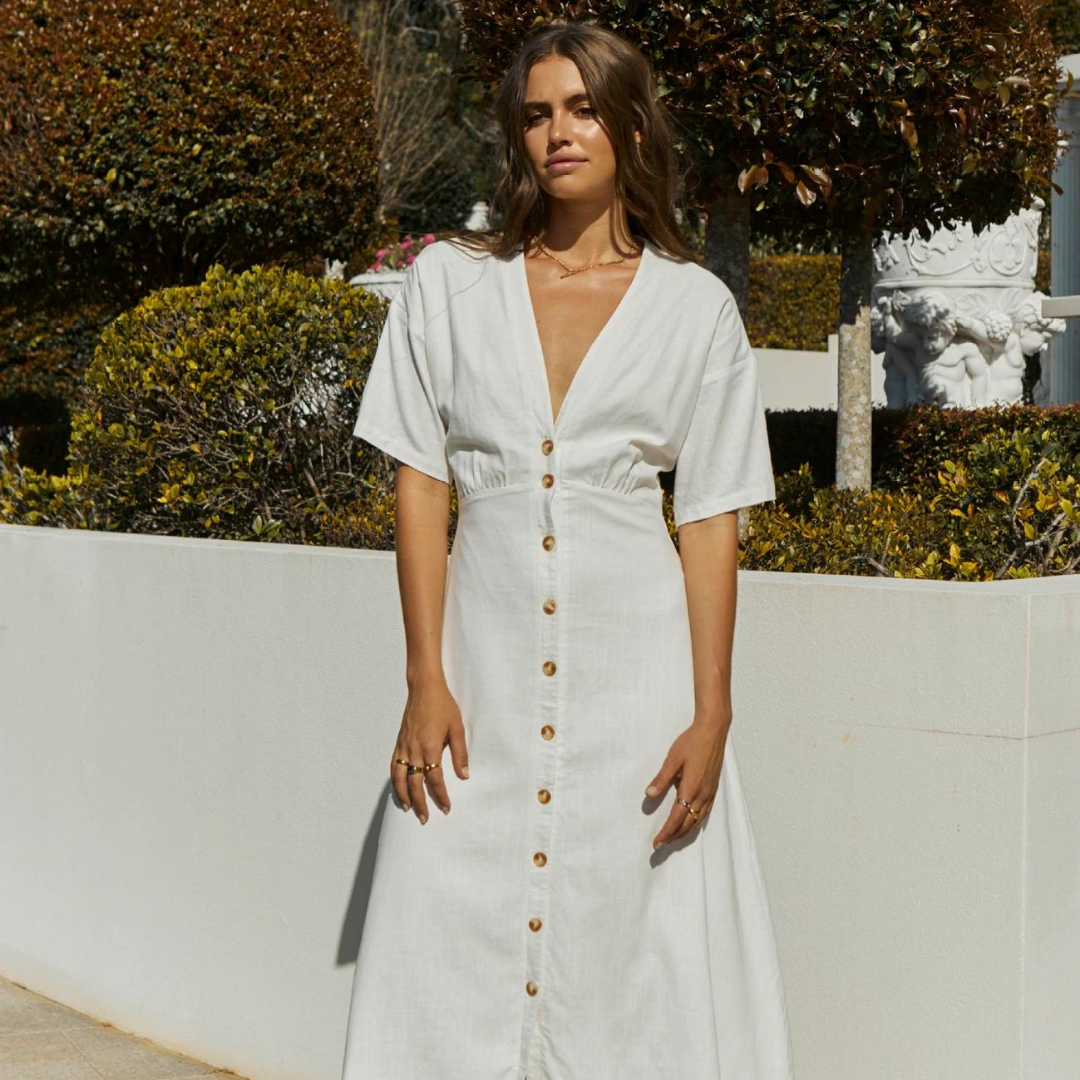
[533,933]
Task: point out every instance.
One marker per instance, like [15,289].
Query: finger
[671,826]
[690,820]
[703,810]
[397,778]
[697,800]
[668,771]
[416,784]
[459,752]
[435,782]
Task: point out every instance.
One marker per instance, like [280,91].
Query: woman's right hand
[432,721]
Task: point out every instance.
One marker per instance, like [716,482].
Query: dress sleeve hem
[402,451]
[722,504]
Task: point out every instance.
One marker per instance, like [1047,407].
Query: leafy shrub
[28,497]
[905,443]
[793,301]
[1017,496]
[1009,508]
[925,436]
[223,409]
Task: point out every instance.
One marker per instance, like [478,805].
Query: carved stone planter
[957,315]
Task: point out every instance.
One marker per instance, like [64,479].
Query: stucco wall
[194,738]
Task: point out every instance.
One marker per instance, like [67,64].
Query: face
[560,120]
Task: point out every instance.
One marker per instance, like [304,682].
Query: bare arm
[709,550]
[422,521]
[710,557]
[432,719]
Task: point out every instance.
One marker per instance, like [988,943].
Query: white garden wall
[194,738]
[806,379]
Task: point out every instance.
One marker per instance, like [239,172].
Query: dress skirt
[542,877]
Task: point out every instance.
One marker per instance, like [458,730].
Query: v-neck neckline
[555,421]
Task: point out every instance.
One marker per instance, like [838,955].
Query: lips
[565,166]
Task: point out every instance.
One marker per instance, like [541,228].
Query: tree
[426,155]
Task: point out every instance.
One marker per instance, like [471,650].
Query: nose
[555,132]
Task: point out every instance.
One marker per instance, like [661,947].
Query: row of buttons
[547,731]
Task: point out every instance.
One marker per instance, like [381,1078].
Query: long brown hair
[620,83]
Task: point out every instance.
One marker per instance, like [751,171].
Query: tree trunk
[853,412]
[727,243]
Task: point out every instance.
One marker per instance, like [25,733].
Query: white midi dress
[533,933]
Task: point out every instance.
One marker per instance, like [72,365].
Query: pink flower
[380,253]
[410,259]
[429,238]
[406,243]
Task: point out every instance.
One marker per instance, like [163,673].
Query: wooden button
[549,667]
[539,858]
[535,924]
[547,446]
[547,731]
[548,542]
[547,479]
[544,795]
[549,606]
[531,988]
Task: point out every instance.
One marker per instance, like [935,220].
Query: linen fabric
[533,933]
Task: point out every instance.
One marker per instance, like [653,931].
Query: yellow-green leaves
[222,409]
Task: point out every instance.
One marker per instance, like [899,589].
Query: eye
[588,110]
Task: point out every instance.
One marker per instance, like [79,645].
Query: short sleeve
[398,409]
[724,462]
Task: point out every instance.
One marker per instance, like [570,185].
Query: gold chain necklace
[579,269]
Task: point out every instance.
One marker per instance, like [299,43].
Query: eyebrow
[573,99]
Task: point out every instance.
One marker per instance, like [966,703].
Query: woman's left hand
[693,762]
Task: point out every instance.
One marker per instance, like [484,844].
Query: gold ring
[434,765]
[683,802]
[400,761]
[413,768]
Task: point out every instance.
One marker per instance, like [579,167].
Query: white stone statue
[956,316]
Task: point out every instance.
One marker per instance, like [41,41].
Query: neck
[575,233]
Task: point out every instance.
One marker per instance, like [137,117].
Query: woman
[562,918]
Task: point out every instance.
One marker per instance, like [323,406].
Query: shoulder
[447,256]
[444,266]
[701,294]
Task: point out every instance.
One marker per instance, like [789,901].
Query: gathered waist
[649,498]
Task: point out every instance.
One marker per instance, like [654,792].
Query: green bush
[28,497]
[1008,507]
[905,443]
[223,409]
[793,301]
